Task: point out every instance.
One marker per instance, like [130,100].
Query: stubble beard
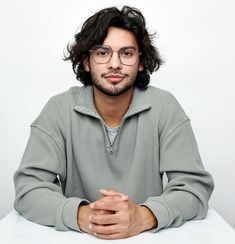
[114,90]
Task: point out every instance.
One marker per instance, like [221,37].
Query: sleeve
[189,186]
[39,195]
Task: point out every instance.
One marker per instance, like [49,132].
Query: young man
[116,133]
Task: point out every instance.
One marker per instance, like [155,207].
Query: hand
[84,211]
[122,217]
[83,214]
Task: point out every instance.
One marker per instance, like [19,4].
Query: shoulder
[63,101]
[68,97]
[160,98]
[165,108]
[59,106]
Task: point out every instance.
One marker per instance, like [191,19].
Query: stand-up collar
[85,102]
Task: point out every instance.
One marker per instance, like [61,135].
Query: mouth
[114,78]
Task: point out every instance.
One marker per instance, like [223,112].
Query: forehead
[118,38]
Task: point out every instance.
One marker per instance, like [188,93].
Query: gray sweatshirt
[69,157]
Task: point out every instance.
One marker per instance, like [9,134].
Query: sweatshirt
[69,157]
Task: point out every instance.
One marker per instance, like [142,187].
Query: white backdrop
[196,38]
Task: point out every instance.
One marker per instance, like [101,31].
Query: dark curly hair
[94,31]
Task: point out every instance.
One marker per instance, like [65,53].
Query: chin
[114,91]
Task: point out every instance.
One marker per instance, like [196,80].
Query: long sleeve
[189,186]
[39,194]
[67,161]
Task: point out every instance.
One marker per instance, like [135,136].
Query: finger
[105,192]
[104,229]
[106,204]
[111,192]
[114,198]
[102,212]
[114,236]
[104,219]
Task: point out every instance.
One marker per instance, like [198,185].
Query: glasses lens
[101,54]
[128,56]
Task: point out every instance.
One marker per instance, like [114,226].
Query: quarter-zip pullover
[69,157]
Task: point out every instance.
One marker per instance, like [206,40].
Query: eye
[127,53]
[102,52]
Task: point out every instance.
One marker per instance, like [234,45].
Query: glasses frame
[112,51]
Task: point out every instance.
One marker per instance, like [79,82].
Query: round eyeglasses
[103,53]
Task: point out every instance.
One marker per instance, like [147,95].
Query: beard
[113,89]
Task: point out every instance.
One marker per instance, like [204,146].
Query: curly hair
[95,29]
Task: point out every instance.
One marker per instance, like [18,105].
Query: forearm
[39,196]
[48,207]
[189,186]
[175,206]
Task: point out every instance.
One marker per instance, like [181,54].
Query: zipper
[111,145]
[111,149]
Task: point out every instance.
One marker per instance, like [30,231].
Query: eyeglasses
[103,53]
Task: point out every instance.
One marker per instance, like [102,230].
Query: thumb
[105,192]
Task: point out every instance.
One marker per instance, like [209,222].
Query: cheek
[134,72]
[97,69]
[95,74]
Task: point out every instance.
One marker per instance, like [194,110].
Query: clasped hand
[115,216]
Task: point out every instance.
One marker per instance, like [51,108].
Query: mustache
[114,73]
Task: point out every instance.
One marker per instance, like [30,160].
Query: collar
[85,103]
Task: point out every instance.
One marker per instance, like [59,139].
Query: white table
[14,229]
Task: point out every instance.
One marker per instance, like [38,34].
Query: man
[97,154]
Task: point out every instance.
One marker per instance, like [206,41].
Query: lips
[114,78]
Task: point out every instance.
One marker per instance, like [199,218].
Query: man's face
[114,78]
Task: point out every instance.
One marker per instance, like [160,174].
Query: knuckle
[96,218]
[102,220]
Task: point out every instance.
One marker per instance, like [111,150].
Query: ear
[141,67]
[86,64]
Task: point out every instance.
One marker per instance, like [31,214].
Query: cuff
[69,214]
[160,212]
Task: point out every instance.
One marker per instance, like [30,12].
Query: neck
[112,108]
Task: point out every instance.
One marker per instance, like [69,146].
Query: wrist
[82,217]
[148,220]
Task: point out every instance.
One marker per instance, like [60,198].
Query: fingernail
[90,226]
[95,234]
[124,197]
[103,190]
[92,205]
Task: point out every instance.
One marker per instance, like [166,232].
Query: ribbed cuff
[160,212]
[69,214]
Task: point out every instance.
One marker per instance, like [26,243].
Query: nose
[115,62]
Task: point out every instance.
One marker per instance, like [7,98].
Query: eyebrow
[107,46]
[131,47]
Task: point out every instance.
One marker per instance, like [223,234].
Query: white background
[196,38]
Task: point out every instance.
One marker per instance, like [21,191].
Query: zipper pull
[111,149]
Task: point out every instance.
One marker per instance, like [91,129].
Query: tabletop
[213,229]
